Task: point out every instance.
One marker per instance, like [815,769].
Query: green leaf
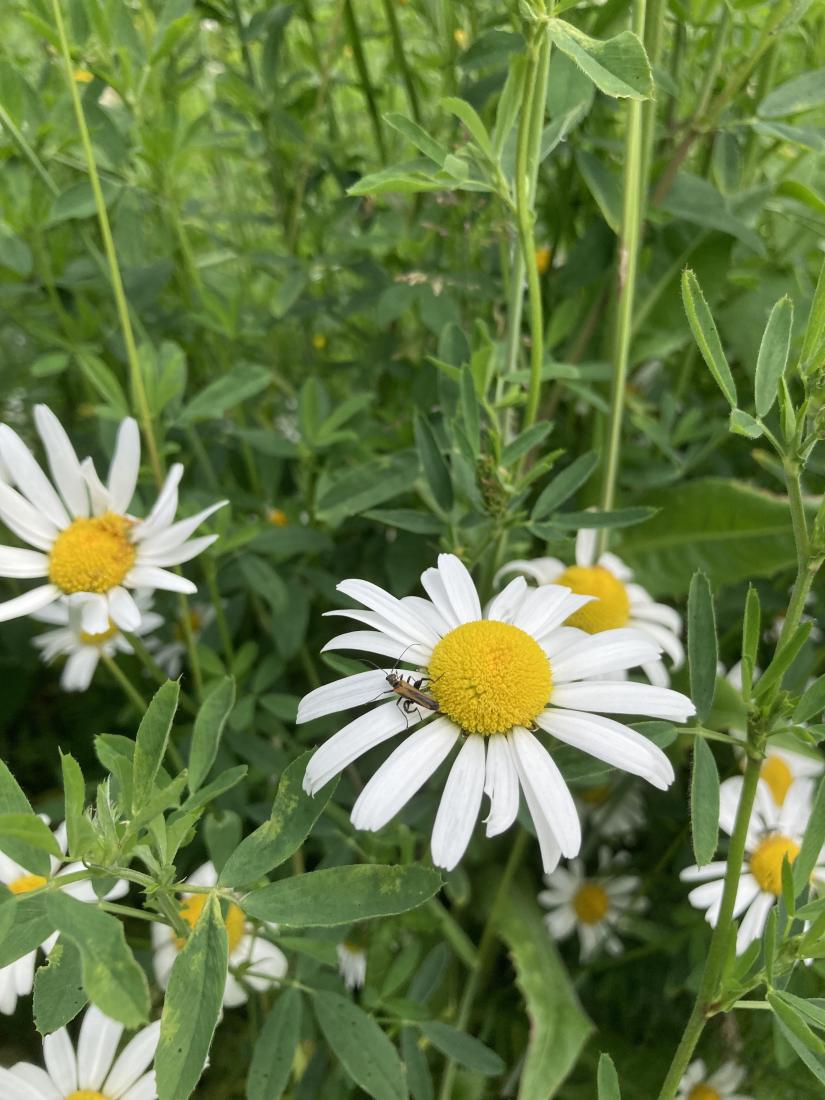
[812,842]
[293,815]
[470,117]
[558,1026]
[618,67]
[812,703]
[274,1050]
[419,1078]
[773,355]
[807,1045]
[770,680]
[706,335]
[564,485]
[704,802]
[408,178]
[13,801]
[434,465]
[525,441]
[356,490]
[79,831]
[29,841]
[151,742]
[219,785]
[695,200]
[192,1005]
[470,411]
[463,1048]
[802,93]
[58,988]
[407,519]
[743,423]
[206,735]
[78,201]
[621,517]
[343,895]
[418,136]
[24,925]
[227,392]
[703,652]
[361,1046]
[608,1079]
[111,976]
[813,343]
[101,378]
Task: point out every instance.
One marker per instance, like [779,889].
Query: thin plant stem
[486,949]
[185,620]
[704,1006]
[210,572]
[401,59]
[364,76]
[629,240]
[135,374]
[129,689]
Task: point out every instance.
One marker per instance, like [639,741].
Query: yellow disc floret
[778,777]
[703,1092]
[86,1094]
[591,903]
[766,862]
[26,883]
[610,608]
[98,639]
[192,907]
[92,555]
[490,676]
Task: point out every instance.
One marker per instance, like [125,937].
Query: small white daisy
[494,677]
[616,602]
[260,964]
[92,1073]
[81,649]
[171,656]
[17,978]
[774,832]
[612,814]
[352,964]
[595,906]
[88,547]
[697,1084]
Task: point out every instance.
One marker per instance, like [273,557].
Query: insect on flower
[410,694]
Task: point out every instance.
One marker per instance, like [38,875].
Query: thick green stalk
[135,375]
[629,240]
[703,1007]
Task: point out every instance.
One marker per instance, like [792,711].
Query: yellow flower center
[611,607]
[26,883]
[778,776]
[542,260]
[595,796]
[703,1092]
[86,1094]
[277,517]
[92,555]
[766,862]
[192,907]
[319,341]
[489,676]
[591,903]
[98,639]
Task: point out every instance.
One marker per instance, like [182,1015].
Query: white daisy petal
[179,532]
[427,610]
[352,691]
[98,493]
[59,1056]
[459,806]
[79,670]
[30,479]
[608,651]
[124,611]
[540,570]
[144,1089]
[666,641]
[356,738]
[38,1079]
[546,608]
[96,1046]
[500,785]
[376,599]
[164,508]
[548,844]
[373,641]
[63,461]
[403,773]
[94,611]
[399,631]
[133,1061]
[22,564]
[25,604]
[25,520]
[123,472]
[433,584]
[151,576]
[460,588]
[624,697]
[586,546]
[550,790]
[753,922]
[184,552]
[616,566]
[268,964]
[701,874]
[15,1087]
[503,607]
[609,741]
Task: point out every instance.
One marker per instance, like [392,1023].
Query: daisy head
[615,600]
[698,1084]
[487,684]
[92,1072]
[254,961]
[594,906]
[352,964]
[88,548]
[17,979]
[83,650]
[774,834]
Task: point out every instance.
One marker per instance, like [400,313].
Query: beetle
[410,694]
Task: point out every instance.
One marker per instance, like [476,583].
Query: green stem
[364,76]
[629,240]
[185,620]
[704,1005]
[129,689]
[135,375]
[486,949]
[210,573]
[401,59]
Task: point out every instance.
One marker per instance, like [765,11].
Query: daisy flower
[697,1084]
[260,962]
[88,548]
[489,681]
[91,1073]
[81,649]
[352,964]
[611,813]
[17,978]
[774,832]
[616,601]
[594,906]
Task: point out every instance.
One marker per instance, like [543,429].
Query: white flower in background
[260,963]
[595,906]
[89,548]
[352,964]
[17,978]
[93,1073]
[697,1084]
[615,811]
[494,678]
[616,602]
[774,832]
[170,657]
[81,649]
